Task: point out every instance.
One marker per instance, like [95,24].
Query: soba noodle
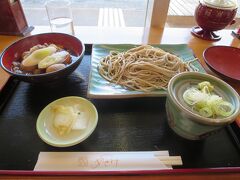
[144,68]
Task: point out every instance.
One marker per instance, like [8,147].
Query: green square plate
[98,87]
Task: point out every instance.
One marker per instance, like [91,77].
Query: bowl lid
[221,4]
[223,60]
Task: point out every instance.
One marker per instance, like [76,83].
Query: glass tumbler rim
[60,3]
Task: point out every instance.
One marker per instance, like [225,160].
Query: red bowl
[224,61]
[68,42]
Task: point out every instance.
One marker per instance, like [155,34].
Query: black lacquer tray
[135,124]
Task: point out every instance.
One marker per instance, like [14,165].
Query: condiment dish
[46,128]
[184,120]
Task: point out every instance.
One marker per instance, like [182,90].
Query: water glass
[60,16]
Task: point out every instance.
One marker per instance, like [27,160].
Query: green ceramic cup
[189,124]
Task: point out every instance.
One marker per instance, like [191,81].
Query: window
[130,13]
[96,17]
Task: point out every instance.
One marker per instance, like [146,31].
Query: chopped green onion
[206,112]
[193,95]
[223,109]
[206,103]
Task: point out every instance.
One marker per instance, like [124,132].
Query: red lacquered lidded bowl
[213,15]
[15,51]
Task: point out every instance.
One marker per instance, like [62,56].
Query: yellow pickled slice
[64,117]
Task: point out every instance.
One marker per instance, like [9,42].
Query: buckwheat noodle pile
[144,68]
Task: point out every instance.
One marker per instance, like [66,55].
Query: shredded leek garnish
[205,102]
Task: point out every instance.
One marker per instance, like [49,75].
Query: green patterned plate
[100,88]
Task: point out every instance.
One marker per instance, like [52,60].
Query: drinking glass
[60,16]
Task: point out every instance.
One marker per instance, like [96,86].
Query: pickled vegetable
[64,117]
[67,118]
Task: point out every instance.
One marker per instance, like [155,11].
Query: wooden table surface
[155,36]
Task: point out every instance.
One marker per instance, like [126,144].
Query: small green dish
[47,131]
[189,124]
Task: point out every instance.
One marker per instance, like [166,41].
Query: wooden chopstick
[170,160]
